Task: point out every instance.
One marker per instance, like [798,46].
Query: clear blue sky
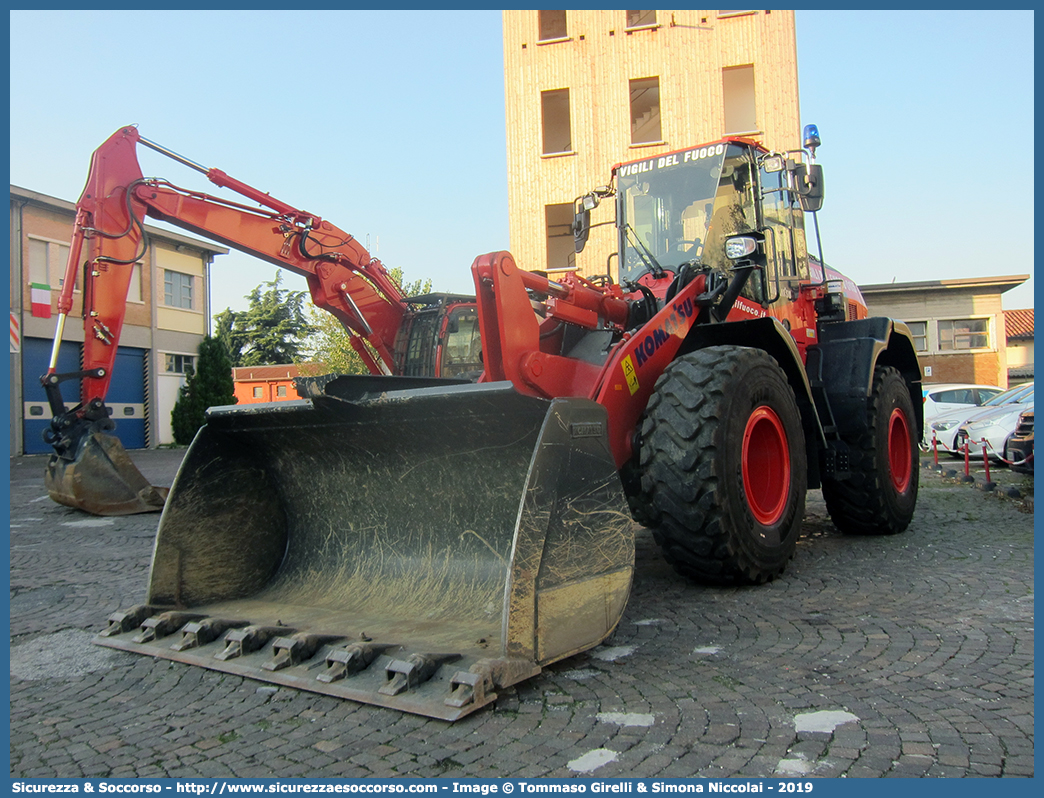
[391,125]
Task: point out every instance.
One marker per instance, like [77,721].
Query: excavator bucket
[416,549]
[100,478]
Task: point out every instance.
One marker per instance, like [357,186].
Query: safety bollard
[935,448]
[967,459]
[985,461]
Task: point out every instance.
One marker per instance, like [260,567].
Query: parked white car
[945,426]
[995,427]
[942,397]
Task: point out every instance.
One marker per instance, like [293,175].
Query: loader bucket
[101,479]
[415,549]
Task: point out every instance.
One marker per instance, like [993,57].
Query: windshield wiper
[647,257]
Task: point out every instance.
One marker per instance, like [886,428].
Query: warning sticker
[629,374]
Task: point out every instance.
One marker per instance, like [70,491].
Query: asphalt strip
[62,655]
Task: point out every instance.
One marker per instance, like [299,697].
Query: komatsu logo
[677,323]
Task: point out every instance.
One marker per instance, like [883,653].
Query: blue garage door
[36,354]
[126,396]
[126,392]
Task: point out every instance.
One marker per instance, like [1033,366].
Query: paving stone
[925,637]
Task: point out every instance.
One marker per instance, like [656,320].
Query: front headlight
[942,426]
[740,247]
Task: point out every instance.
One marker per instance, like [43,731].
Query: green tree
[272,331]
[209,385]
[223,325]
[329,349]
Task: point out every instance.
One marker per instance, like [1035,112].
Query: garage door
[126,392]
[126,396]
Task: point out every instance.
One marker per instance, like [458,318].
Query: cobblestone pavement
[899,656]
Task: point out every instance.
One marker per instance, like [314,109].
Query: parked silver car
[993,430]
[945,426]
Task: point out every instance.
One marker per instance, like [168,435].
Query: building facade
[1018,324]
[586,90]
[256,384]
[167,311]
[958,326]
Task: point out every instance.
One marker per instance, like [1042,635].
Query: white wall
[167,386]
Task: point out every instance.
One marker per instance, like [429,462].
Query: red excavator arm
[110,237]
[342,277]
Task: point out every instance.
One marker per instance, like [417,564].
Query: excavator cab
[441,338]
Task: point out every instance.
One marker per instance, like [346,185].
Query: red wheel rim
[766,466]
[899,449]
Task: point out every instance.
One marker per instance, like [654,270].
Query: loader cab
[442,338]
[664,209]
[675,212]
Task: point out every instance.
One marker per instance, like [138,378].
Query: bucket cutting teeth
[248,640]
[351,659]
[469,687]
[126,620]
[363,670]
[287,651]
[164,625]
[416,669]
[198,633]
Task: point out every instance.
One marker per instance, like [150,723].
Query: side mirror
[581,225]
[808,180]
[582,207]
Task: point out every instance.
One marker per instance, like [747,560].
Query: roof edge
[1004,283]
[46,200]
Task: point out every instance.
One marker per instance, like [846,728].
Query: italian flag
[40,294]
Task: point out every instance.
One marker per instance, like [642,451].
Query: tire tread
[681,460]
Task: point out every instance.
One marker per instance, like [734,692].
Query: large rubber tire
[638,501]
[723,462]
[880,495]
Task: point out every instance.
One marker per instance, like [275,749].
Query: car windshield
[1010,395]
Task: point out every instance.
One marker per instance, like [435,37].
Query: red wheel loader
[420,542]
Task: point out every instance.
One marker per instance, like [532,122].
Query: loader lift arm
[109,238]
